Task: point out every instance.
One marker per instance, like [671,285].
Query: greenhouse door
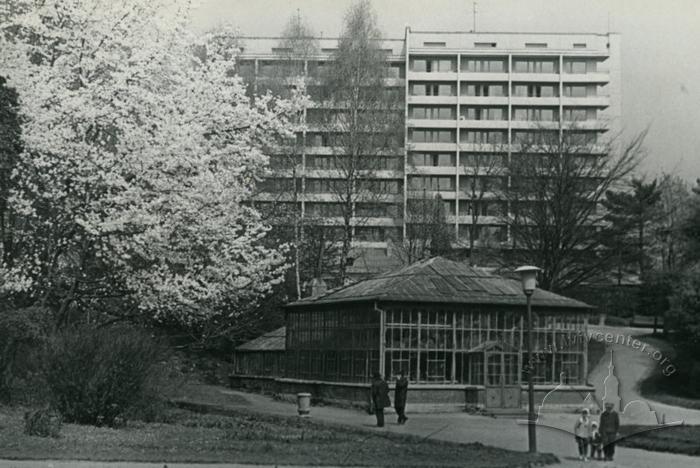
[502,389]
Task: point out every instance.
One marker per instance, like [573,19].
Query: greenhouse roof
[270,341]
[439,280]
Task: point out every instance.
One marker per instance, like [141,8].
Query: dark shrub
[95,375]
[22,333]
[42,423]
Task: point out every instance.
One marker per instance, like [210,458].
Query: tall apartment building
[466,97]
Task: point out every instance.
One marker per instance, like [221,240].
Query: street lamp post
[528,276]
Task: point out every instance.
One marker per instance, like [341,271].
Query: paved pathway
[631,366]
[462,427]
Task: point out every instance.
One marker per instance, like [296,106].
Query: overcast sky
[660,49]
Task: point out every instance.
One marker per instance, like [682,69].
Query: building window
[546,114]
[432,136]
[536,45]
[579,114]
[579,45]
[434,44]
[477,160]
[484,45]
[432,113]
[536,137]
[483,113]
[481,183]
[324,209]
[579,66]
[433,65]
[535,90]
[381,186]
[582,138]
[370,233]
[433,159]
[483,89]
[377,210]
[579,91]
[432,183]
[483,136]
[522,65]
[483,65]
[432,89]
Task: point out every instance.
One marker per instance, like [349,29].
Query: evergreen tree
[631,212]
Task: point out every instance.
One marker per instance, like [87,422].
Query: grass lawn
[676,439]
[665,389]
[248,438]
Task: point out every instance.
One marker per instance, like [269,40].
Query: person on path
[400,392]
[596,442]
[582,431]
[609,429]
[380,397]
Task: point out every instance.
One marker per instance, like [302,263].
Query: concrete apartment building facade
[465,96]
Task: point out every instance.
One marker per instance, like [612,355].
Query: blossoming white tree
[138,157]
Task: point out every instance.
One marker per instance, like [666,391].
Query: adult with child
[582,432]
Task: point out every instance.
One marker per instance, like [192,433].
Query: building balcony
[491,195]
[598,77]
[592,148]
[323,150]
[484,100]
[333,198]
[535,77]
[483,147]
[432,99]
[356,221]
[431,170]
[589,101]
[422,194]
[481,219]
[364,244]
[431,76]
[465,123]
[379,221]
[486,168]
[534,125]
[342,174]
[278,172]
[275,197]
[432,146]
[482,77]
[432,123]
[534,101]
[599,125]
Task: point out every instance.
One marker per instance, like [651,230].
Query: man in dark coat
[609,428]
[400,397]
[380,397]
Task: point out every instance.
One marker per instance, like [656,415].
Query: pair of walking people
[380,397]
[600,438]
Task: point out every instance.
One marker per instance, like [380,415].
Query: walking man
[400,397]
[380,397]
[609,428]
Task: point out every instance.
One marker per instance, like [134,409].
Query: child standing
[596,442]
[582,431]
